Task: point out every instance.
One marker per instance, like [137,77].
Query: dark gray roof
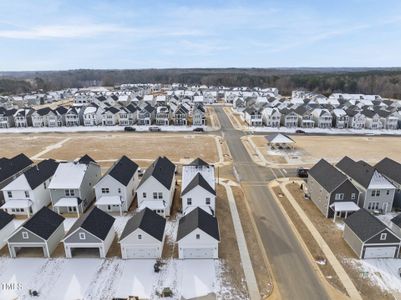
[147,220]
[162,170]
[61,110]
[364,225]
[44,111]
[96,222]
[397,220]
[361,171]
[198,180]
[198,218]
[44,223]
[198,162]
[38,174]
[112,109]
[86,159]
[327,175]
[5,218]
[11,166]
[390,168]
[123,170]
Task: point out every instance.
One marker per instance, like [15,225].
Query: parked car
[198,129]
[154,128]
[129,129]
[299,131]
[302,172]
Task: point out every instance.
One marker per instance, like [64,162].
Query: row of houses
[71,187]
[313,113]
[357,191]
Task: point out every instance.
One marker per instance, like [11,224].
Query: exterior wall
[352,240]
[205,241]
[382,199]
[319,195]
[147,241]
[74,238]
[57,194]
[346,188]
[198,197]
[5,233]
[5,182]
[108,241]
[87,192]
[55,238]
[390,238]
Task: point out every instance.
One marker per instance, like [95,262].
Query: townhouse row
[72,187]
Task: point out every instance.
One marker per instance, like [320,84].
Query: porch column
[78,210]
[335,215]
[121,210]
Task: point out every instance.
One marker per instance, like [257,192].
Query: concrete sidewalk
[251,282]
[338,268]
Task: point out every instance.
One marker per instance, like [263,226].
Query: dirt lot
[111,146]
[333,237]
[310,149]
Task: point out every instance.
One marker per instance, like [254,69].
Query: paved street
[291,268]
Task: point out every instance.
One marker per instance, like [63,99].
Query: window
[119,190]
[353,196]
[105,190]
[70,193]
[207,201]
[189,201]
[26,194]
[82,236]
[139,236]
[10,194]
[25,235]
[44,185]
[377,193]
[339,196]
[383,236]
[388,192]
[198,236]
[160,195]
[154,195]
[144,195]
[373,193]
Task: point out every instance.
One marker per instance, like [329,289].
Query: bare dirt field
[310,149]
[333,236]
[111,146]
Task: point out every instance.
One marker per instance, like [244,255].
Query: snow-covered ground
[382,272]
[95,128]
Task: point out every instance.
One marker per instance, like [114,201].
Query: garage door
[380,252]
[132,252]
[198,253]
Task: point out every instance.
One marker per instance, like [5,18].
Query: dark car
[199,129]
[154,128]
[129,129]
[299,131]
[302,172]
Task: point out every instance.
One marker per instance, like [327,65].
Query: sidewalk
[338,268]
[251,282]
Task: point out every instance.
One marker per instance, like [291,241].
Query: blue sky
[53,34]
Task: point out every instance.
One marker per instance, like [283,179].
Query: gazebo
[280,140]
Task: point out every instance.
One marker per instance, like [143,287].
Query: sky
[59,35]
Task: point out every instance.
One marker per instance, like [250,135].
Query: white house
[115,191]
[271,117]
[143,235]
[29,192]
[198,187]
[198,235]
[6,227]
[156,189]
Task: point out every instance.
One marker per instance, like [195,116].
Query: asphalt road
[291,268]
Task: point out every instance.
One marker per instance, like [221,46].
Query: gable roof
[360,172]
[198,180]
[397,220]
[44,111]
[198,218]
[38,174]
[390,168]
[61,110]
[364,225]
[198,162]
[44,222]
[96,222]
[5,218]
[279,138]
[11,166]
[327,175]
[147,220]
[86,159]
[162,170]
[123,170]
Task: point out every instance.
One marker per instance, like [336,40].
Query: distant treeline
[385,82]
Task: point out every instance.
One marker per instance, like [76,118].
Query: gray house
[331,191]
[44,230]
[392,171]
[368,237]
[94,230]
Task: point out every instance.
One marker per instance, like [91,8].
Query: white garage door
[380,252]
[198,253]
[132,252]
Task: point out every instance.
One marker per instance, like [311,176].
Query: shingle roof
[364,225]
[397,220]
[198,218]
[44,111]
[5,218]
[44,223]
[361,172]
[123,170]
[147,220]
[162,170]
[61,110]
[86,159]
[390,169]
[11,166]
[38,174]
[198,180]
[96,222]
[198,162]
[327,175]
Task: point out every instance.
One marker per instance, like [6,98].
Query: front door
[72,209]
